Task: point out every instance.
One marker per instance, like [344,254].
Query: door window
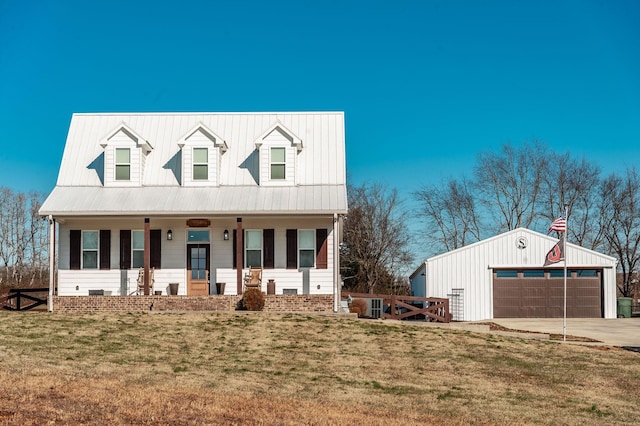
[198,263]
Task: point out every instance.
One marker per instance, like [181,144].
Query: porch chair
[141,281]
[253,279]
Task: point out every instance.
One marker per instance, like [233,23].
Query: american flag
[558,225]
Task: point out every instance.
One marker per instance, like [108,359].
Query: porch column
[52,260]
[239,249]
[336,264]
[147,254]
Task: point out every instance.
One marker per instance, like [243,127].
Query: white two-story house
[196,199]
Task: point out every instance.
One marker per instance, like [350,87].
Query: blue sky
[425,85]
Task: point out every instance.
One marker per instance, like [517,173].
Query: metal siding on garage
[471,268]
[544,297]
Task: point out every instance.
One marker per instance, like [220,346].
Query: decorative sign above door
[198,223]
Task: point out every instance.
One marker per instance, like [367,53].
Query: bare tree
[572,183]
[38,242]
[450,214]
[509,184]
[23,236]
[621,213]
[376,238]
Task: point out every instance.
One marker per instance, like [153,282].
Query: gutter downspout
[52,259]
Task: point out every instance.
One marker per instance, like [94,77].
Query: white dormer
[125,154]
[278,148]
[202,153]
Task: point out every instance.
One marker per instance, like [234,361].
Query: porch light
[169,235]
[225,235]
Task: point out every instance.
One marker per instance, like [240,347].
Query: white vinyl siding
[277,160]
[122,157]
[79,282]
[90,249]
[173,256]
[201,160]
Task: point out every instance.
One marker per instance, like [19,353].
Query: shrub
[358,306]
[253,300]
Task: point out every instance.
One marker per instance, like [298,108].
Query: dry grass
[283,369]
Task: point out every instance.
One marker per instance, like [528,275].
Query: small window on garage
[507,273]
[533,273]
[556,273]
[587,273]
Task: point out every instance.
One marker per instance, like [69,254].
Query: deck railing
[406,307]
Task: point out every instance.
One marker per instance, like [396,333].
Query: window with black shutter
[322,258]
[125,249]
[292,249]
[268,241]
[75,248]
[156,248]
[105,249]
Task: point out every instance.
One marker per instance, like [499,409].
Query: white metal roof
[320,185]
[226,200]
[499,252]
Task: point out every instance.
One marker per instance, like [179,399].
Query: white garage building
[504,277]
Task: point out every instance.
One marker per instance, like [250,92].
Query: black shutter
[322,257]
[105,249]
[74,248]
[125,249]
[156,248]
[235,247]
[292,249]
[268,248]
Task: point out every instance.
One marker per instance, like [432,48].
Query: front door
[198,269]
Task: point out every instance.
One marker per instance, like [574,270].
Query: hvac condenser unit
[374,308]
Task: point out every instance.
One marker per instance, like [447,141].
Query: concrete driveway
[614,332]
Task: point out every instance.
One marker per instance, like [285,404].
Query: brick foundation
[273,303]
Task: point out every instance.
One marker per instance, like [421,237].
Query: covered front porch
[221,281]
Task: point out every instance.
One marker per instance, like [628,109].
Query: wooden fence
[409,307]
[23,299]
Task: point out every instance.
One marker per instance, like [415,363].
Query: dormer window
[123,164]
[125,155]
[200,163]
[278,148]
[278,163]
[202,151]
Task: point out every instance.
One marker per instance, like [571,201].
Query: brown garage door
[540,293]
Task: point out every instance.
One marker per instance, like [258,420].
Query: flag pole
[564,249]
